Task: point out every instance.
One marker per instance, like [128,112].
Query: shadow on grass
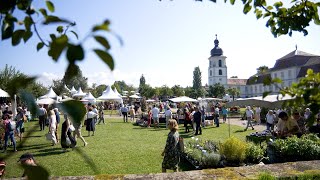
[50,151]
[36,146]
[239,131]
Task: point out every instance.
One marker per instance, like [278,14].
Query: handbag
[68,142]
[49,136]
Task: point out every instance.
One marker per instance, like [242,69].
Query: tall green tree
[78,80]
[197,85]
[147,91]
[7,74]
[165,91]
[217,90]
[233,92]
[190,92]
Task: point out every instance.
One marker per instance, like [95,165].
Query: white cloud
[47,78]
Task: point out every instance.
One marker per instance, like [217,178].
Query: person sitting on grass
[26,160]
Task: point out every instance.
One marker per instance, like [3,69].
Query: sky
[163,40]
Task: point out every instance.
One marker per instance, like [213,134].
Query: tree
[217,90]
[283,19]
[77,80]
[262,70]
[147,91]
[165,92]
[233,92]
[7,74]
[197,85]
[189,91]
[59,87]
[177,90]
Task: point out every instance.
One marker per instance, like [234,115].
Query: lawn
[116,148]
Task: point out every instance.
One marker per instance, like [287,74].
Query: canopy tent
[80,93]
[66,87]
[117,93]
[183,99]
[3,93]
[89,97]
[150,100]
[46,101]
[212,99]
[50,94]
[109,94]
[270,101]
[73,90]
[135,96]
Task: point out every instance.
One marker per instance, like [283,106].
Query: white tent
[80,93]
[73,90]
[46,101]
[50,94]
[66,87]
[134,96]
[109,94]
[150,100]
[3,93]
[89,97]
[117,93]
[183,99]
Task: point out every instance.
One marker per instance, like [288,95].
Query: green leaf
[55,19]
[247,8]
[267,81]
[75,110]
[104,26]
[29,99]
[7,30]
[232,2]
[27,23]
[105,57]
[35,172]
[17,36]
[269,8]
[75,34]
[27,36]
[40,46]
[75,53]
[276,80]
[60,29]
[103,41]
[50,6]
[278,4]
[266,93]
[43,12]
[57,46]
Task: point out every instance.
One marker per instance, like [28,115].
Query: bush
[266,176]
[234,150]
[211,159]
[254,153]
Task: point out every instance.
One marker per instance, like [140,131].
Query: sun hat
[25,156]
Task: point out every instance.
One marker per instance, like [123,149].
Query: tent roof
[183,99]
[89,96]
[3,93]
[135,96]
[46,101]
[80,93]
[50,94]
[109,94]
[117,93]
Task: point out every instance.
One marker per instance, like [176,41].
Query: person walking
[203,116]
[171,151]
[57,113]
[124,111]
[216,116]
[101,115]
[155,116]
[224,114]
[270,120]
[168,115]
[66,139]
[42,117]
[197,120]
[90,126]
[132,114]
[249,114]
[257,115]
[77,132]
[9,125]
[52,126]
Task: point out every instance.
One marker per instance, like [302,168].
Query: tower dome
[216,51]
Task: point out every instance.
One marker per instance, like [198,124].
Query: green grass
[116,148]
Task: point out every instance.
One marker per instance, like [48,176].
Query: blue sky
[164,40]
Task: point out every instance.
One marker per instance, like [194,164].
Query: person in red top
[187,120]
[9,131]
[149,117]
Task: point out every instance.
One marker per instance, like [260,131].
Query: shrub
[266,176]
[234,150]
[211,159]
[254,153]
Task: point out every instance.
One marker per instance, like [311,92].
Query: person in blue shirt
[224,114]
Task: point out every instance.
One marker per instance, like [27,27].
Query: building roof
[304,69]
[295,58]
[216,51]
[258,79]
[236,81]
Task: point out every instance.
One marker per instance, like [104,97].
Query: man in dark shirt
[197,120]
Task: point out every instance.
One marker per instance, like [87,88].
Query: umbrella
[46,101]
[3,93]
[183,99]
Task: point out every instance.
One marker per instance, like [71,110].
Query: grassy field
[116,148]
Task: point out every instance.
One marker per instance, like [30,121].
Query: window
[210,72]
[275,75]
[210,63]
[282,75]
[260,88]
[220,63]
[289,73]
[220,72]
[255,89]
